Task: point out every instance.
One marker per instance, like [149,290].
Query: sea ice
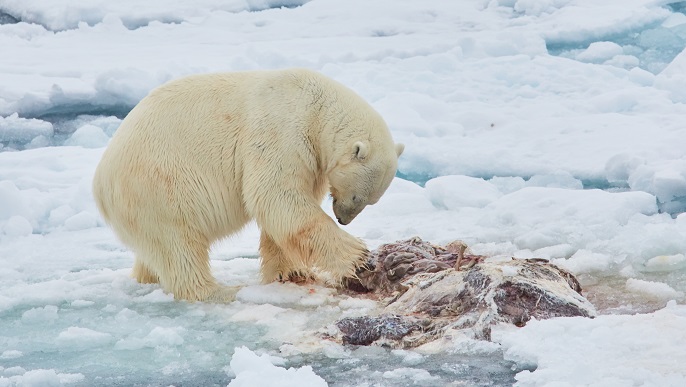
[599,52]
[511,110]
[17,130]
[653,289]
[89,136]
[81,221]
[454,192]
[78,338]
[608,350]
[253,370]
[17,226]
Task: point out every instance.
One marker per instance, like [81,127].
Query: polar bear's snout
[346,213]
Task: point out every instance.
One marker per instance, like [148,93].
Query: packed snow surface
[533,128]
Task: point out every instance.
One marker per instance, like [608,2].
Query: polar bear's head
[361,177]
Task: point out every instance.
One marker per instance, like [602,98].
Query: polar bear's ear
[399,148]
[360,150]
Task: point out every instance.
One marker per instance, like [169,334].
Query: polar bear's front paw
[299,277]
[353,255]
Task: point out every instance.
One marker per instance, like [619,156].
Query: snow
[74,338]
[13,128]
[11,354]
[17,226]
[533,128]
[88,136]
[605,351]
[599,52]
[159,336]
[454,192]
[81,221]
[666,262]
[418,376]
[45,314]
[657,290]
[253,370]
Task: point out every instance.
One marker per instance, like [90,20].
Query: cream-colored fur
[201,156]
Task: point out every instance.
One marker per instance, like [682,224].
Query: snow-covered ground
[533,128]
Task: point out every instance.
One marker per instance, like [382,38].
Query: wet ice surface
[650,47]
[511,112]
[391,368]
[99,327]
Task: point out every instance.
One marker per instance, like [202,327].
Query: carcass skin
[428,293]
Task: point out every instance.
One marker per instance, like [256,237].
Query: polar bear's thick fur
[201,156]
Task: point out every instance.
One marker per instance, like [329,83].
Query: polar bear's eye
[354,198]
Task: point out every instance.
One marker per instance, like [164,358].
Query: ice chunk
[156,296]
[620,166]
[599,52]
[607,350]
[403,197]
[418,376]
[60,214]
[81,221]
[81,303]
[559,179]
[555,251]
[46,314]
[508,184]
[660,38]
[171,336]
[672,79]
[536,7]
[253,370]
[653,289]
[17,226]
[409,358]
[88,136]
[641,77]
[63,15]
[335,351]
[13,371]
[624,61]
[548,216]
[585,261]
[666,180]
[454,192]
[11,354]
[13,200]
[38,142]
[127,85]
[108,124]
[45,378]
[77,338]
[23,130]
[158,337]
[666,263]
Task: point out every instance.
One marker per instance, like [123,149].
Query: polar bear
[201,156]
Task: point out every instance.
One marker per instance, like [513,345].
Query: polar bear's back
[174,157]
[179,152]
[178,155]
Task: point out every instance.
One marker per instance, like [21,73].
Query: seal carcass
[431,290]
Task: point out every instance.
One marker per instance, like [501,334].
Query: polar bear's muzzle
[345,214]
